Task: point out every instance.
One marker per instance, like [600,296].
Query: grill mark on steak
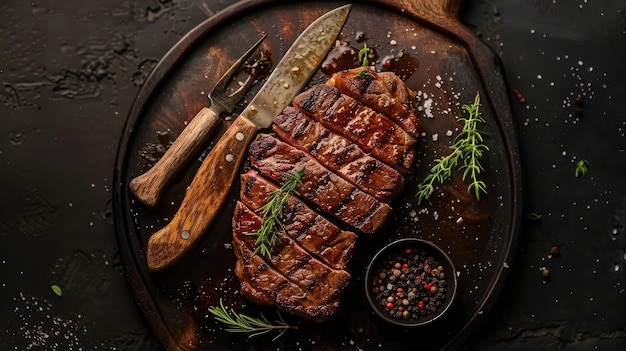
[315,233]
[382,91]
[370,130]
[338,154]
[321,282]
[329,192]
[266,286]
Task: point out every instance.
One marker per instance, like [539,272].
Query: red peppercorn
[420,305]
[390,305]
[428,286]
[405,266]
[407,251]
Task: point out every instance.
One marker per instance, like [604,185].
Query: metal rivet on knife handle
[211,185]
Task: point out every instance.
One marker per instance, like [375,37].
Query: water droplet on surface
[16,137]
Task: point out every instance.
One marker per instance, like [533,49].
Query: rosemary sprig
[242,323]
[267,235]
[364,60]
[467,146]
[581,168]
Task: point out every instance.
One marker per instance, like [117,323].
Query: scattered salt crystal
[393,42]
[449,133]
[435,137]
[428,108]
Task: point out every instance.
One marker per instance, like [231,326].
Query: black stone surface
[70,70]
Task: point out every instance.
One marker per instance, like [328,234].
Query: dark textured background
[70,70]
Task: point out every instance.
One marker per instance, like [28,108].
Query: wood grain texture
[149,186]
[204,198]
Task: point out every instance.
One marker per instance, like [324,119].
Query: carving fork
[149,186]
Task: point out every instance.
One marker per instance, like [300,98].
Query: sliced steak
[338,154]
[372,131]
[322,284]
[329,192]
[265,285]
[310,230]
[384,92]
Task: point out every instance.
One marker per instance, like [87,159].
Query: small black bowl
[416,266]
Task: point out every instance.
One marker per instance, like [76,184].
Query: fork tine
[218,94]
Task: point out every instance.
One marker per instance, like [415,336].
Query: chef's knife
[212,183]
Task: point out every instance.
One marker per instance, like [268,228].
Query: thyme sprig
[267,235]
[241,323]
[468,148]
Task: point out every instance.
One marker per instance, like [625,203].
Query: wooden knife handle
[205,197]
[149,186]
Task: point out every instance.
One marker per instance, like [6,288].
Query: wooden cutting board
[453,66]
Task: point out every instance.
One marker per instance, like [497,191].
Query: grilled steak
[310,230]
[338,154]
[382,91]
[266,286]
[353,137]
[290,266]
[330,193]
[372,131]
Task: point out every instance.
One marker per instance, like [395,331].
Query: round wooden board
[480,237]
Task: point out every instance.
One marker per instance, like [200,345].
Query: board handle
[205,197]
[441,7]
[149,186]
[438,8]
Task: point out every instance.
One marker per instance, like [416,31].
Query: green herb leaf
[467,150]
[364,55]
[267,235]
[365,74]
[581,168]
[57,290]
[242,323]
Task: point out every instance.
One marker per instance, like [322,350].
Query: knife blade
[213,181]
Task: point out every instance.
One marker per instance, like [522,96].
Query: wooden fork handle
[204,198]
[149,186]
